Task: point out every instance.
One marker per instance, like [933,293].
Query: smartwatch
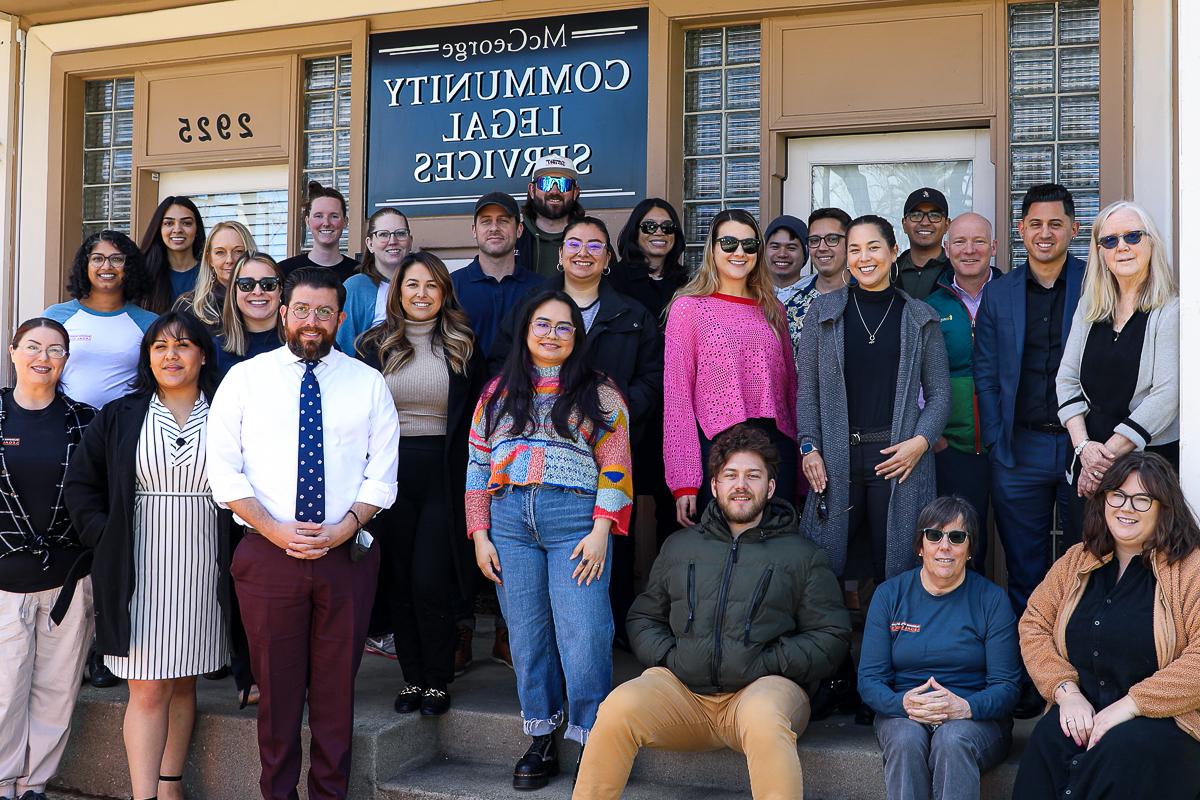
[806,448]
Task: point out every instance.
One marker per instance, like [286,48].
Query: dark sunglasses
[653,226]
[548,183]
[933,535]
[247,284]
[730,244]
[1110,242]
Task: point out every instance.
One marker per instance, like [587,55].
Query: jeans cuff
[541,727]
[577,734]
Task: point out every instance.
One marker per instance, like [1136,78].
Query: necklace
[872,334]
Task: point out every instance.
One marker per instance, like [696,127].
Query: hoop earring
[606,270]
[843,273]
[560,266]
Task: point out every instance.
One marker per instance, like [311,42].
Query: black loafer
[538,765]
[409,699]
[434,702]
[101,676]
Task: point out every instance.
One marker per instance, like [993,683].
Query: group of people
[783,432]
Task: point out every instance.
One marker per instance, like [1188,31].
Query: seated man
[741,612]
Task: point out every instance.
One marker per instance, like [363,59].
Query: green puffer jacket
[721,612]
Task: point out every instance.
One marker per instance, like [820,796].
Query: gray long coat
[822,417]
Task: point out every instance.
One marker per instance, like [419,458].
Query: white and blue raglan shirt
[104,349]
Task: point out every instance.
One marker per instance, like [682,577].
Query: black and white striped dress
[176,626]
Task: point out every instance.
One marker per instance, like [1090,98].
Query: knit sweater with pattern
[590,460]
[421,388]
[723,364]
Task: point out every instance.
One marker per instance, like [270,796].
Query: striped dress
[176,625]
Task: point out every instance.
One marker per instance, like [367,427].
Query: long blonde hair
[204,300]
[1100,295]
[233,327]
[707,281]
[453,330]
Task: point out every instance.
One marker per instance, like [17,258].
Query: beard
[740,515]
[546,212]
[309,349]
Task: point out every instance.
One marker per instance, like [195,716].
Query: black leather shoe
[434,702]
[1031,703]
[409,699]
[101,676]
[30,794]
[538,765]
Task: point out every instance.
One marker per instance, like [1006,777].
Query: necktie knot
[309,366]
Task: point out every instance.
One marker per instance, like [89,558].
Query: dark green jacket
[919,282]
[721,612]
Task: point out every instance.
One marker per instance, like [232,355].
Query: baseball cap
[555,165]
[927,195]
[789,223]
[501,199]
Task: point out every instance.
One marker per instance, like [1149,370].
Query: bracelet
[350,511]
[1062,686]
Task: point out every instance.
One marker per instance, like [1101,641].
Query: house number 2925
[202,129]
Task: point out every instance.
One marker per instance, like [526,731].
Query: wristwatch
[807,447]
[1083,444]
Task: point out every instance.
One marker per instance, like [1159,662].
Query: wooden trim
[1116,123]
[1000,144]
[359,53]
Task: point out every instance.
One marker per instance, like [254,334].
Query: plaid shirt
[16,532]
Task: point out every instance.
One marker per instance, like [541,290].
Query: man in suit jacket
[1020,333]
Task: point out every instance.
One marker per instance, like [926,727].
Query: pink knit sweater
[723,364]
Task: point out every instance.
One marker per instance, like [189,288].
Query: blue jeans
[534,529]
[945,763]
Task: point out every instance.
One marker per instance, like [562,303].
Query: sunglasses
[550,183]
[1110,242]
[649,226]
[730,244]
[269,284]
[933,535]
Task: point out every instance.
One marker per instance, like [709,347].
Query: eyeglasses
[383,236]
[830,240]
[301,311]
[550,183]
[730,244]
[1140,502]
[55,351]
[649,226]
[573,246]
[933,535]
[247,284]
[115,260]
[1110,242]
[543,329]
[933,216]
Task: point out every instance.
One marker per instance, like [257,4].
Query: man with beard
[552,202]
[305,581]
[741,615]
[926,219]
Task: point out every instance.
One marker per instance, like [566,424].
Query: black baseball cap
[927,195]
[501,199]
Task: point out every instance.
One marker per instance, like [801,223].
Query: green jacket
[920,281]
[721,612]
[958,331]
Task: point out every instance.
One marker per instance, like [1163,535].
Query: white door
[874,173]
[257,197]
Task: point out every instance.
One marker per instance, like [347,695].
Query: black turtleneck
[872,369]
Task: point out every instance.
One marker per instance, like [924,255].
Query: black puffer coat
[721,612]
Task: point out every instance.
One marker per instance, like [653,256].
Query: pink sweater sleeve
[681,439]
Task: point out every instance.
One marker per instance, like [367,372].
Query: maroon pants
[306,622]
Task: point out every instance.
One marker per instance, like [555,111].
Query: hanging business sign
[455,113]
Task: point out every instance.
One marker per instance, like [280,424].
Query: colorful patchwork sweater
[590,461]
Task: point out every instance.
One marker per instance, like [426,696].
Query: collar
[960,290]
[475,273]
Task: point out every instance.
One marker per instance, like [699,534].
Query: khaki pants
[39,681]
[761,721]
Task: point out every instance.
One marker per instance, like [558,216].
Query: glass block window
[264,212]
[326,126]
[1054,107]
[107,155]
[721,128]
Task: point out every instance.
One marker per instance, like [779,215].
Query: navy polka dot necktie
[310,479]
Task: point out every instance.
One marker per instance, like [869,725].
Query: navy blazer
[999,347]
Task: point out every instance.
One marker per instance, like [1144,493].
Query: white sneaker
[383,646]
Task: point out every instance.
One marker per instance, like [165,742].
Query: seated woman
[939,663]
[1112,639]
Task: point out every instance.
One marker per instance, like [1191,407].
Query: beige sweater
[421,388]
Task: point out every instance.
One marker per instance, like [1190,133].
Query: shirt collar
[962,291]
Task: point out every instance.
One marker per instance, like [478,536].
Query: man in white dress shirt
[302,446]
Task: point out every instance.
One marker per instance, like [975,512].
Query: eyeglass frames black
[934,535]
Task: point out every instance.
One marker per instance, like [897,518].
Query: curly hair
[743,439]
[136,280]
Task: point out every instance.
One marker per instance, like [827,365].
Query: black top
[344,270]
[1110,636]
[256,344]
[633,280]
[1108,373]
[34,443]
[1037,395]
[872,370]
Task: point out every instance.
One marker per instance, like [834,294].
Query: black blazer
[463,395]
[634,281]
[99,495]
[624,343]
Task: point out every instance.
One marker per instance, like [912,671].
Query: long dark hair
[184,325]
[1176,533]
[578,383]
[154,251]
[135,280]
[630,251]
